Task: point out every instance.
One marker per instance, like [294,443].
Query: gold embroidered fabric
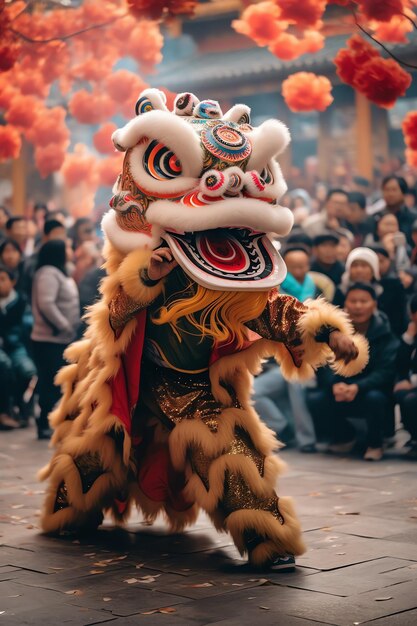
[279,319]
[238,495]
[174,396]
[122,309]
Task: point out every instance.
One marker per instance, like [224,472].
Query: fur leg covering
[234,477]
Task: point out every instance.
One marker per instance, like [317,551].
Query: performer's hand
[339,392]
[161,263]
[342,346]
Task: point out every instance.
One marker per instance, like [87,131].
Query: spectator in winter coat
[366,395]
[56,312]
[17,370]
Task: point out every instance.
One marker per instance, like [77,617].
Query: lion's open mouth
[228,258]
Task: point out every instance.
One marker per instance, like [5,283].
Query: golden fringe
[279,539]
[224,316]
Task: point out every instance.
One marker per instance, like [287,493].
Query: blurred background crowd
[355,247]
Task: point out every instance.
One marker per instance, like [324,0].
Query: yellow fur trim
[238,464]
[129,275]
[193,433]
[321,313]
[280,539]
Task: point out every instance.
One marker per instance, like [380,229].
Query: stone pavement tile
[266,620]
[361,607]
[8,572]
[25,605]
[203,585]
[262,605]
[188,564]
[405,618]
[331,551]
[360,578]
[408,536]
[404,508]
[128,601]
[376,527]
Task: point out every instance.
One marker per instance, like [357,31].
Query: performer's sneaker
[283,564]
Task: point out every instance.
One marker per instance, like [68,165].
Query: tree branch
[65,37]
[391,54]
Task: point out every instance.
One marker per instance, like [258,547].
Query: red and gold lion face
[207,185]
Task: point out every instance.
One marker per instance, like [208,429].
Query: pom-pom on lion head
[205,183]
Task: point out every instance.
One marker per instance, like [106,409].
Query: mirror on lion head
[206,184]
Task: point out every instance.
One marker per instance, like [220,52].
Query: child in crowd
[17,370]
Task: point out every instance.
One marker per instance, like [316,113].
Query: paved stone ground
[360,523]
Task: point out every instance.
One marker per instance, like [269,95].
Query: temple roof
[195,71]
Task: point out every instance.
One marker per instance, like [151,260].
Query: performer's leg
[233,481]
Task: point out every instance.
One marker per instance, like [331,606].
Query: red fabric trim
[125,384]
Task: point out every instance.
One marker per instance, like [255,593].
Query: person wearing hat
[325,256]
[362,265]
[367,395]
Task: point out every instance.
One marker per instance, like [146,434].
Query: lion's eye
[160,162]
[266,176]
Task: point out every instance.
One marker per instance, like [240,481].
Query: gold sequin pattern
[61,501]
[175,396]
[90,468]
[242,444]
[238,495]
[279,319]
[122,308]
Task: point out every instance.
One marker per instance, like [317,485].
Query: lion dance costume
[156,408]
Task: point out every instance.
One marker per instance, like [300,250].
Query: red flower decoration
[410,129]
[305,91]
[394,31]
[91,108]
[382,81]
[121,86]
[50,128]
[305,13]
[102,138]
[10,143]
[261,22]
[80,167]
[23,111]
[288,46]
[49,159]
[109,169]
[383,11]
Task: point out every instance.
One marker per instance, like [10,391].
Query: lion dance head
[206,184]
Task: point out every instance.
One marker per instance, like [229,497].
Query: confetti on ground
[74,592]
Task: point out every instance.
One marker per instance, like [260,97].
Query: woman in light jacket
[56,312]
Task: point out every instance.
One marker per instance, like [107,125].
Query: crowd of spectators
[360,253]
[49,273]
[356,251]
